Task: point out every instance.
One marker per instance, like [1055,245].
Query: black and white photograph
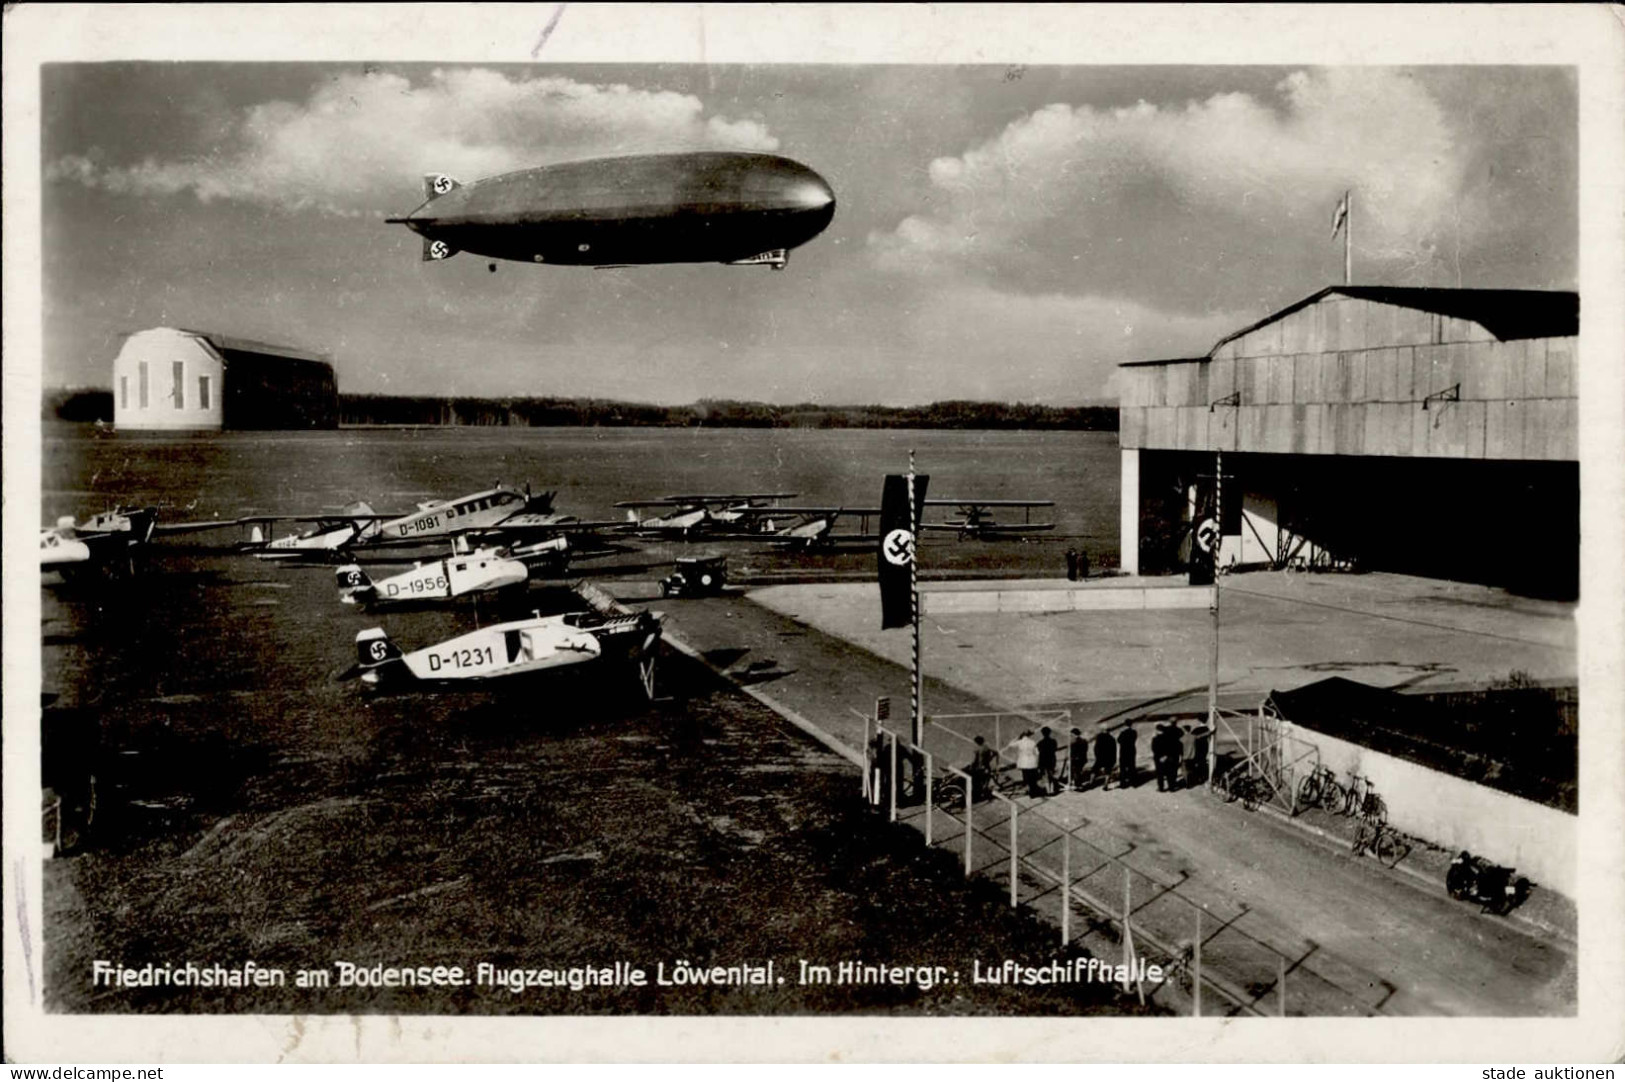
[574,518]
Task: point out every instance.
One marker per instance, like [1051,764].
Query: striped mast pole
[1213,608]
[917,704]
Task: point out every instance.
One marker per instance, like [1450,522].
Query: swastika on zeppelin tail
[899,548]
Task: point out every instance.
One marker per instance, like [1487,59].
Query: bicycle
[1364,801]
[1320,789]
[1378,840]
[1251,789]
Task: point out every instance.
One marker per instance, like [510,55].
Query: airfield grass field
[710,833]
[253,807]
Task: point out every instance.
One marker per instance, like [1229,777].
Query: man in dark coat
[1196,766]
[1105,756]
[1049,753]
[1162,761]
[1078,761]
[1127,769]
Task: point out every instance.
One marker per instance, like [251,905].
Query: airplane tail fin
[376,658]
[436,185]
[353,584]
[373,648]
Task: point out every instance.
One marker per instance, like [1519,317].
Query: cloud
[359,142]
[1223,181]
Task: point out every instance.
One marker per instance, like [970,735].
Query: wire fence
[1081,873]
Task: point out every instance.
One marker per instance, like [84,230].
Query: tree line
[714,413]
[78,404]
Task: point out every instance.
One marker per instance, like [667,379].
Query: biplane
[805,528]
[325,536]
[976,521]
[691,514]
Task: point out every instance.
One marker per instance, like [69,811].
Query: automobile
[696,577]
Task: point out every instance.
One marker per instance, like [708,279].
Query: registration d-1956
[476,657]
[422,584]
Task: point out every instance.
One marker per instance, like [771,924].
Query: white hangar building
[171,378]
[1428,431]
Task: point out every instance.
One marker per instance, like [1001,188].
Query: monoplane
[607,634]
[110,539]
[498,514]
[465,571]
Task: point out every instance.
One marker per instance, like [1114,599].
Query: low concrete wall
[1079,599]
[1541,842]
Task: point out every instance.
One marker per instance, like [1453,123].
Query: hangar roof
[1505,313]
[1508,314]
[228,344]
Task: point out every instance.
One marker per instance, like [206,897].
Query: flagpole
[1348,238]
[917,689]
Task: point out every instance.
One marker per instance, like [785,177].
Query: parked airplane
[496,513]
[109,538]
[803,527]
[704,207]
[465,571]
[695,512]
[976,522]
[534,645]
[475,572]
[326,536]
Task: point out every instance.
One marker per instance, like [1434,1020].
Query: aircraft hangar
[171,378]
[1425,431]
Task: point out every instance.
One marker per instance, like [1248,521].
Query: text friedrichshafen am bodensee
[679,973]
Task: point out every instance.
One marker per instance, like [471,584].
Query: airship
[701,207]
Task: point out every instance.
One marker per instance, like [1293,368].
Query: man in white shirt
[1027,760]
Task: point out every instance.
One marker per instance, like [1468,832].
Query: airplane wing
[780,512]
[326,516]
[728,497]
[1013,529]
[990,503]
[164,529]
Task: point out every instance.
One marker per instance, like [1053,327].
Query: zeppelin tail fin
[436,185]
[436,250]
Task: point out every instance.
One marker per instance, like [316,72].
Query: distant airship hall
[702,207]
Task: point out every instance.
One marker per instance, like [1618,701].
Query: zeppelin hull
[678,208]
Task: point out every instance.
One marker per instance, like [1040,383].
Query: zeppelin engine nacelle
[708,207]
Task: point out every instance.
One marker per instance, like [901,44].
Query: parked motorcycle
[1490,885]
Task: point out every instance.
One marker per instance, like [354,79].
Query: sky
[1001,233]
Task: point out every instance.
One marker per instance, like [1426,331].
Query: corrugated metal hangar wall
[1431,431]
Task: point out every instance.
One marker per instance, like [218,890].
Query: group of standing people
[1115,757]
[1175,768]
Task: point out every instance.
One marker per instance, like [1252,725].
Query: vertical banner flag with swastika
[897,548]
[1204,538]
